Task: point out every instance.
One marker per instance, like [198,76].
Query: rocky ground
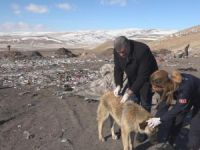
[39,111]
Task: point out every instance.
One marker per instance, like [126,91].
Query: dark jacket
[138,66]
[187,95]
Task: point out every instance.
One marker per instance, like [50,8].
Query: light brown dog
[130,116]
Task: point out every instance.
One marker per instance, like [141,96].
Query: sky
[76,15]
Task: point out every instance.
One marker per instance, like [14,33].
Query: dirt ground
[39,120]
[42,121]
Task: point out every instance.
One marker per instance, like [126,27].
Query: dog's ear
[143,125]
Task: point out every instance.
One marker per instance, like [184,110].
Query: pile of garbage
[64,74]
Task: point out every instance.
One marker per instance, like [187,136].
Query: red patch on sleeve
[182,101]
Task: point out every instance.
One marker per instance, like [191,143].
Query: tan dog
[130,116]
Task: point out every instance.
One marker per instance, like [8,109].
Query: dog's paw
[114,137]
[102,139]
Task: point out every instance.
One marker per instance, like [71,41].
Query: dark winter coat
[138,65]
[187,95]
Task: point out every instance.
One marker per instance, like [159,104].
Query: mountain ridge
[88,39]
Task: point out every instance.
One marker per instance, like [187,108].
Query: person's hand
[124,98]
[153,122]
[116,91]
[130,92]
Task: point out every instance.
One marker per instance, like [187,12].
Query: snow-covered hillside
[77,39]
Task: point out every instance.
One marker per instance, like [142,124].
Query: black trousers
[169,130]
[194,134]
[143,97]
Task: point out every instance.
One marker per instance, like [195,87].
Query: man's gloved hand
[124,98]
[117,90]
[153,122]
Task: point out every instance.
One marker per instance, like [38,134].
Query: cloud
[37,8]
[21,26]
[64,6]
[16,9]
[114,2]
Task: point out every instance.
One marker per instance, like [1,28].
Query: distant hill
[102,47]
[173,42]
[87,39]
[179,40]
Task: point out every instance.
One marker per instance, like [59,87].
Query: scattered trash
[65,74]
[29,105]
[187,69]
[63,140]
[23,93]
[27,135]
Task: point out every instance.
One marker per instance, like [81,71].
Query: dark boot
[165,146]
[171,141]
[141,137]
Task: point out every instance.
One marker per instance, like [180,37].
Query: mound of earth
[36,54]
[65,52]
[14,55]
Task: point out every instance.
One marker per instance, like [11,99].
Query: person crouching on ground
[185,90]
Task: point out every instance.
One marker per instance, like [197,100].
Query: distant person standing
[136,60]
[186,50]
